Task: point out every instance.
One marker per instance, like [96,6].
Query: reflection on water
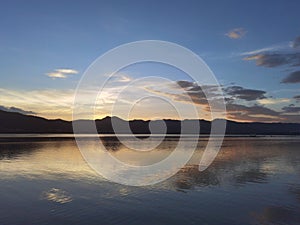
[111,143]
[252,181]
[57,195]
[9,150]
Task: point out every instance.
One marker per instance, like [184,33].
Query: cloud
[260,113]
[274,48]
[47,103]
[293,77]
[245,94]
[123,78]
[252,110]
[193,87]
[236,33]
[185,84]
[61,73]
[56,75]
[198,95]
[297,97]
[273,101]
[185,97]
[287,56]
[291,109]
[296,42]
[53,103]
[67,71]
[15,109]
[117,78]
[251,113]
[273,59]
[243,104]
[191,93]
[284,54]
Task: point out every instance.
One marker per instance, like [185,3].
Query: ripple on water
[57,195]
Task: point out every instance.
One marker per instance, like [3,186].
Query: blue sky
[39,38]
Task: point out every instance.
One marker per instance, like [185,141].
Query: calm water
[44,180]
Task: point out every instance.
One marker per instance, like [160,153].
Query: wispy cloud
[273,101]
[273,48]
[243,104]
[121,77]
[236,33]
[47,103]
[275,59]
[117,78]
[124,78]
[62,73]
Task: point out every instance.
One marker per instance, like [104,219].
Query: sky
[252,47]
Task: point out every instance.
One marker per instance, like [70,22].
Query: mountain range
[13,122]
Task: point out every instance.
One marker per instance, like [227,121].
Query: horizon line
[32,115]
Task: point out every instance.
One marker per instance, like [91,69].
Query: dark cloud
[296,42]
[245,94]
[18,110]
[274,59]
[186,84]
[194,94]
[197,93]
[194,87]
[271,58]
[198,98]
[260,113]
[252,110]
[297,97]
[191,93]
[291,109]
[293,77]
[234,92]
[234,111]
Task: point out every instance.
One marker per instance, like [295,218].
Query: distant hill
[12,122]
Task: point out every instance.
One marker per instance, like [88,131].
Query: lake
[253,180]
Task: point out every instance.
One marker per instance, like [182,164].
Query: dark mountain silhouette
[12,122]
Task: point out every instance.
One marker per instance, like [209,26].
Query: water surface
[254,180]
